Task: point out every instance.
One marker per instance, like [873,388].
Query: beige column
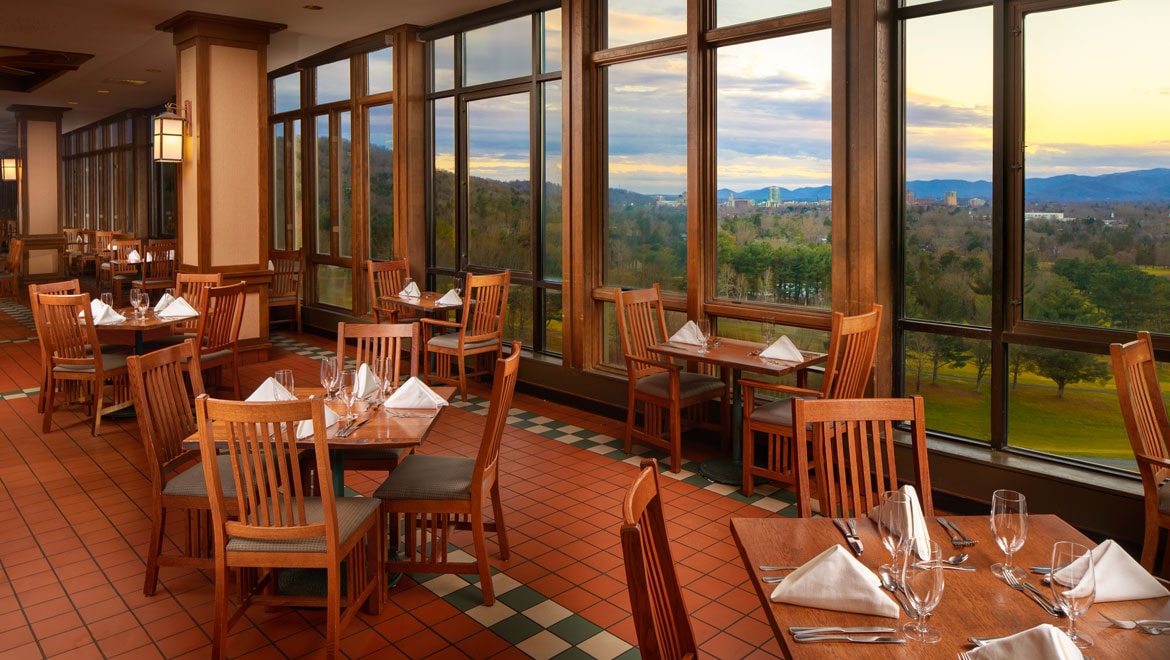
[221,76]
[38,131]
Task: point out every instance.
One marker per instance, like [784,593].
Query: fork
[1143,624]
[1014,582]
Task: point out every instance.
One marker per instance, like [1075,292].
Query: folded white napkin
[103,314]
[783,349]
[270,390]
[688,334]
[178,309]
[134,257]
[409,291]
[914,525]
[1044,642]
[149,257]
[162,303]
[414,394]
[365,382]
[271,266]
[449,298]
[1120,577]
[834,580]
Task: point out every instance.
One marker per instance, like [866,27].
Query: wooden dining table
[389,428]
[973,603]
[134,331]
[739,356]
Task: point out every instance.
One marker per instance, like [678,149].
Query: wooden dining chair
[163,385]
[656,600]
[386,278]
[220,317]
[66,287]
[434,494]
[97,248]
[115,275]
[852,345]
[479,331]
[74,247]
[10,269]
[285,290]
[279,524]
[1144,410]
[75,355]
[373,341]
[853,443]
[158,269]
[663,388]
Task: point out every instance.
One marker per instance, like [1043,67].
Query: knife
[861,630]
[347,431]
[861,639]
[851,539]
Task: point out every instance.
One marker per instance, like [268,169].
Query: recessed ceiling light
[72,102]
[313,7]
[154,70]
[126,81]
[103,91]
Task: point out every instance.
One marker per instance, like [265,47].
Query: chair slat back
[260,439]
[69,329]
[120,249]
[65,287]
[160,262]
[380,340]
[15,254]
[660,616]
[286,275]
[162,401]
[193,287]
[101,241]
[485,319]
[385,278]
[852,345]
[641,324]
[220,317]
[1140,394]
[853,446]
[487,461]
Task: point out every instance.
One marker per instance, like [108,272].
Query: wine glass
[329,377]
[458,286]
[135,302]
[1009,524]
[384,370]
[406,282]
[348,388]
[704,326]
[285,378]
[892,519]
[768,330]
[1074,585]
[108,299]
[922,581]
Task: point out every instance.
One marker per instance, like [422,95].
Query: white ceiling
[120,35]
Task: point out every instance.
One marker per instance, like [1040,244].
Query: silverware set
[849,529]
[859,634]
[352,426]
[1032,592]
[958,538]
[1151,626]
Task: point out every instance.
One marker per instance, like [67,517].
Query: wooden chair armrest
[749,386]
[442,323]
[666,366]
[1156,462]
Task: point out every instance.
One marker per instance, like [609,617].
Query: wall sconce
[169,129]
[9,168]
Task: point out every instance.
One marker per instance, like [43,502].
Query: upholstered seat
[689,385]
[192,483]
[431,477]
[352,514]
[109,363]
[478,333]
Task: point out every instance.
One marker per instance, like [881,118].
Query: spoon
[955,560]
[889,585]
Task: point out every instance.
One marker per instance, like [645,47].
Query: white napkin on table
[914,525]
[178,309]
[270,390]
[688,334]
[834,580]
[1044,642]
[449,298]
[414,394]
[162,303]
[134,257]
[149,257]
[1120,577]
[410,291]
[271,266]
[783,349]
[102,313]
[365,382]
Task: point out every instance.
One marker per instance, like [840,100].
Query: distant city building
[773,195]
[1059,217]
[743,204]
[911,199]
[951,198]
[730,200]
[976,202]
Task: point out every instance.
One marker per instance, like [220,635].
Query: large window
[1075,208]
[100,181]
[337,201]
[494,112]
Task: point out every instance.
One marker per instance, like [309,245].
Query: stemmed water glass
[922,580]
[768,330]
[384,371]
[1074,585]
[457,285]
[137,302]
[1009,524]
[894,513]
[704,326]
[349,386]
[329,377]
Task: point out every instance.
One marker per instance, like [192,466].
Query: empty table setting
[820,595]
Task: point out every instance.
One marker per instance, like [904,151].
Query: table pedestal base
[722,471]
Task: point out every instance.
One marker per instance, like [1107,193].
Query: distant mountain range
[1137,186]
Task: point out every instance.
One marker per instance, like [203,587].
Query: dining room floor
[74,515]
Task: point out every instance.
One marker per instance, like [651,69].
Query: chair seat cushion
[157,283]
[776,413]
[374,454]
[110,362]
[352,512]
[281,299]
[690,385]
[216,355]
[450,340]
[1164,498]
[429,477]
[191,482]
